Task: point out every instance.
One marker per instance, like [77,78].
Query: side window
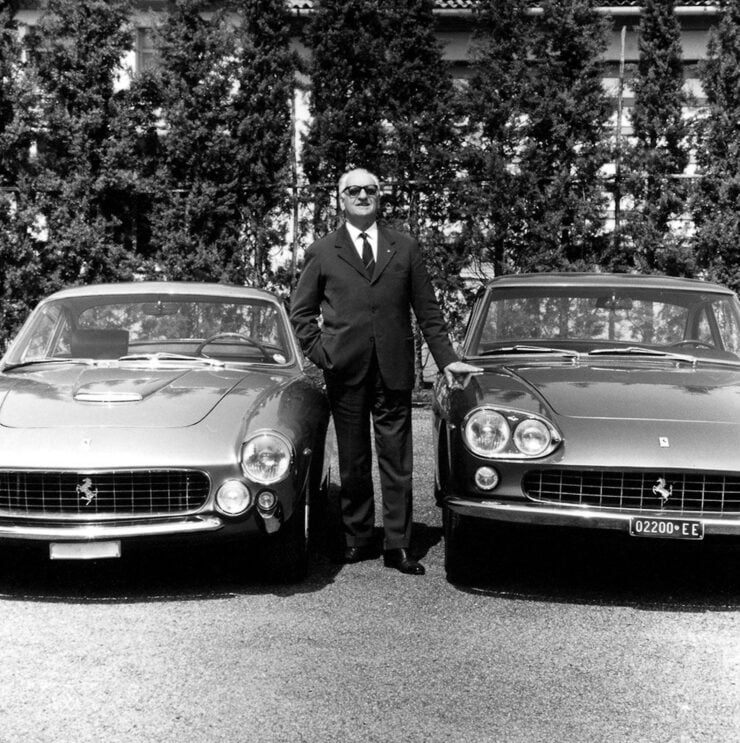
[48,336]
[729,327]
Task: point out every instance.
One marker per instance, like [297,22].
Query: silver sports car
[158,411]
[606,402]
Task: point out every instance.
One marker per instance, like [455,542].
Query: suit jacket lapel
[386,249]
[348,252]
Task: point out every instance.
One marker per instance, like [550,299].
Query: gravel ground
[571,639]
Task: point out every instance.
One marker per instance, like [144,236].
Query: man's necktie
[367,254]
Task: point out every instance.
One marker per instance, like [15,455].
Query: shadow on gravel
[160,572]
[608,569]
[148,574]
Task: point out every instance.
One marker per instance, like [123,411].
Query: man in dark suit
[352,313]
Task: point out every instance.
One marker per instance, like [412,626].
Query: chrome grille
[102,493]
[690,492]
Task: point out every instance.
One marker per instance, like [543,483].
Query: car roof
[172,288]
[606,280]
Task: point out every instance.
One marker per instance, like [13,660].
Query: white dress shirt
[372,236]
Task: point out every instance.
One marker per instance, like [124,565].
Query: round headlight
[266,458]
[486,432]
[233,498]
[532,437]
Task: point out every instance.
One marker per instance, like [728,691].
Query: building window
[146,53]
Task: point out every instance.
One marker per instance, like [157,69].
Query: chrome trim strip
[581,517]
[109,531]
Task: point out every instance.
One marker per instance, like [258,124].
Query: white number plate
[667,528]
[84,550]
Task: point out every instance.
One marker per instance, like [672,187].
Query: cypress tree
[348,42]
[659,154]
[537,139]
[262,133]
[65,192]
[416,98]
[493,101]
[421,143]
[19,269]
[10,60]
[566,141]
[716,198]
[194,221]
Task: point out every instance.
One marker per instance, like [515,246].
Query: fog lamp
[486,478]
[266,501]
[233,498]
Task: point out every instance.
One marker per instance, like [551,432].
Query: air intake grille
[102,493]
[679,492]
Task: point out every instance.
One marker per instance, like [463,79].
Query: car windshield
[154,327]
[589,319]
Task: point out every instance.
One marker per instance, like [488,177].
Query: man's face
[360,207]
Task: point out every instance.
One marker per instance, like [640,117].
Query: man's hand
[458,374]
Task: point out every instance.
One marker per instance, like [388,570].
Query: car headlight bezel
[513,435]
[266,457]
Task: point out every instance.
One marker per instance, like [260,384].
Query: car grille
[103,493]
[687,492]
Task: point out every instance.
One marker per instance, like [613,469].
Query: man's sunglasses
[355,191]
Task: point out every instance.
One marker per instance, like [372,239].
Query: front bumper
[576,516]
[61,532]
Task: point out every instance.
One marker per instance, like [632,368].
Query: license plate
[84,550]
[667,528]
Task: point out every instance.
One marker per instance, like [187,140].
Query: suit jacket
[361,313]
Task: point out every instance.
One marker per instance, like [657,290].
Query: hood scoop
[107,396]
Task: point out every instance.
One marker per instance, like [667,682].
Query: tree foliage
[220,146]
[347,39]
[537,140]
[61,228]
[184,170]
[193,232]
[262,131]
[716,202]
[659,154]
[15,253]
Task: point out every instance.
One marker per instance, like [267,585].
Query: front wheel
[285,554]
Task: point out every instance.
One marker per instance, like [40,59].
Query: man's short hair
[343,180]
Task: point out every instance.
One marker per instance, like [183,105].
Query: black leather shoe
[358,554]
[400,560]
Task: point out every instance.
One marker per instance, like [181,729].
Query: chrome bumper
[92,532]
[589,518]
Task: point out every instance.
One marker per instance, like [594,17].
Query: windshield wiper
[641,351]
[523,349]
[669,355]
[156,357]
[31,362]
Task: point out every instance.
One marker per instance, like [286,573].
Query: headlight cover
[502,433]
[266,457]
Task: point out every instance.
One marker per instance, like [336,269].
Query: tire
[285,555]
[460,558]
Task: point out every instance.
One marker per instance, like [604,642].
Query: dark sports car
[606,402]
[153,411]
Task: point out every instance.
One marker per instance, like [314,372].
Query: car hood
[618,391]
[114,397]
